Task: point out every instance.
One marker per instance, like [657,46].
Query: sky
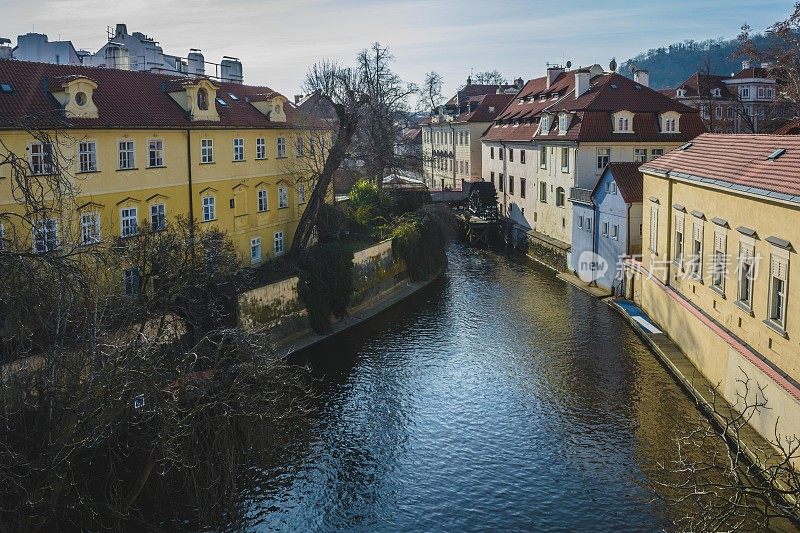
[278,40]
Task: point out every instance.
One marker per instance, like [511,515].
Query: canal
[497,398]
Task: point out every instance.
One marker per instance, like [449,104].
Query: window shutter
[653,228]
[679,223]
[747,252]
[779,267]
[719,242]
[697,232]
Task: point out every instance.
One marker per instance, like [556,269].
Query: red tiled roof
[475,89]
[740,161]
[124,99]
[701,85]
[490,107]
[591,112]
[756,72]
[790,128]
[629,180]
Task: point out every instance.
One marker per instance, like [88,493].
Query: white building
[451,145]
[124,51]
[557,136]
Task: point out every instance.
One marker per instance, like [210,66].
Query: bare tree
[489,77]
[725,488]
[430,97]
[782,55]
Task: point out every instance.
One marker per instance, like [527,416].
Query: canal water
[499,398]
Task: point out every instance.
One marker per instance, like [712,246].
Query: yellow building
[143,148]
[719,271]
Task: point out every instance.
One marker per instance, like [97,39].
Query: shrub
[326,283]
[369,205]
[421,237]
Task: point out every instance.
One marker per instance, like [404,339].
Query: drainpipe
[189,169]
[453,143]
[505,176]
[668,254]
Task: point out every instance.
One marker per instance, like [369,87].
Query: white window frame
[698,235]
[206,151]
[680,243]
[41,158]
[129,221]
[640,155]
[278,243]
[746,276]
[238,149]
[603,154]
[90,227]
[155,153]
[209,204]
[261,148]
[130,282]
[653,227]
[45,235]
[301,193]
[87,156]
[283,197]
[263,200]
[158,216]
[126,154]
[778,277]
[255,250]
[719,264]
[281,144]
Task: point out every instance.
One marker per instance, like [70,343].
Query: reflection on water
[499,398]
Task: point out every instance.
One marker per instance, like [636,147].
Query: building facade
[739,103]
[451,145]
[559,134]
[719,271]
[142,149]
[607,226]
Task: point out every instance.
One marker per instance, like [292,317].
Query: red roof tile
[739,160]
[629,180]
[490,107]
[124,99]
[591,112]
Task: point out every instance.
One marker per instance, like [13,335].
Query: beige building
[451,145]
[719,271]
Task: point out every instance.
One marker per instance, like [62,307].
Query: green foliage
[420,238]
[332,223]
[369,205]
[326,283]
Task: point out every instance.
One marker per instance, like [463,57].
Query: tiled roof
[490,107]
[124,99]
[756,72]
[591,112]
[475,89]
[629,180]
[702,85]
[790,128]
[740,162]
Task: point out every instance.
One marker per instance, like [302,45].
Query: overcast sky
[278,40]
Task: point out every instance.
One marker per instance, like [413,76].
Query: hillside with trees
[670,65]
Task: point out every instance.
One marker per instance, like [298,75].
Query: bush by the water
[326,283]
[421,237]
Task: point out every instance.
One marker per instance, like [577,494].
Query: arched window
[560,198]
[202,99]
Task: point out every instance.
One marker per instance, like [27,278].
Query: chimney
[552,74]
[120,30]
[642,77]
[519,83]
[746,64]
[297,98]
[582,79]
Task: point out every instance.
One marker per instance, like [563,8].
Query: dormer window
[202,99]
[544,125]
[563,123]
[670,122]
[623,122]
[554,96]
[542,98]
[681,93]
[716,92]
[75,93]
[81,99]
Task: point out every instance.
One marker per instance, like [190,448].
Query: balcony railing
[576,194]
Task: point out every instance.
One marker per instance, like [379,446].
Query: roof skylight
[6,88]
[222,102]
[776,154]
